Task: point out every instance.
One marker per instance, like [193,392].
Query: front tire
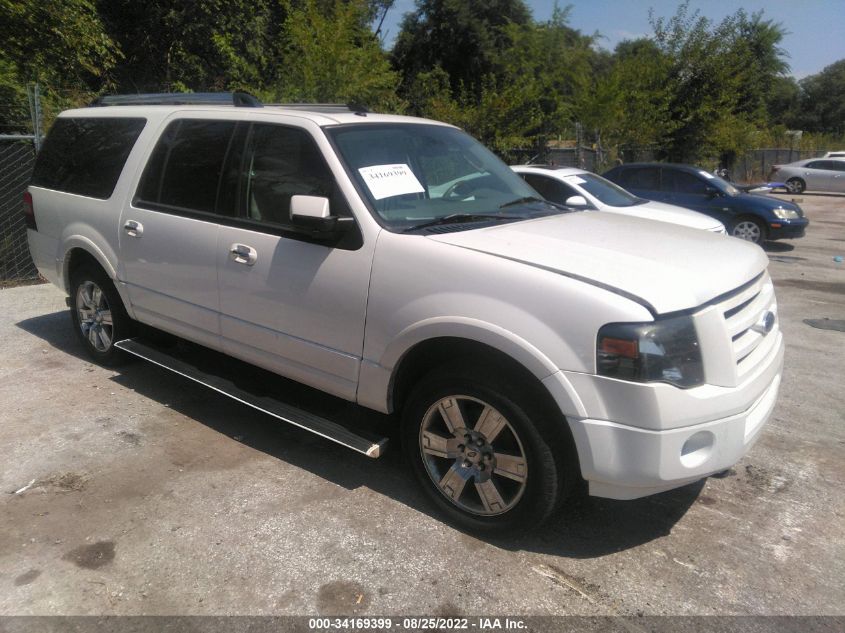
[99,318]
[492,462]
[795,185]
[750,230]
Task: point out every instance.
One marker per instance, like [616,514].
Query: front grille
[743,310]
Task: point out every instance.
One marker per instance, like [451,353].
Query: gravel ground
[148,494]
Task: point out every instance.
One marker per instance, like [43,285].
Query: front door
[289,303]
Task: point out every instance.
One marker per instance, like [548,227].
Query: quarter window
[85,156]
[550,188]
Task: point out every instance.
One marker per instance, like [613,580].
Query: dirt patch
[63,482]
[93,556]
[27,577]
[766,480]
[831,287]
[342,597]
[21,282]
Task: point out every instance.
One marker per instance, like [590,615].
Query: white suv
[398,264]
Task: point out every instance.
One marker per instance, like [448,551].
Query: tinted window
[185,167]
[86,155]
[282,162]
[640,178]
[550,188]
[683,182]
[816,164]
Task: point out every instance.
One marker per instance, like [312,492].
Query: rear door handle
[243,254]
[133,228]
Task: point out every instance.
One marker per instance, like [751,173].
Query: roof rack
[237,99]
[357,108]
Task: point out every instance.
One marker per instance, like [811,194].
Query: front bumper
[693,437]
[788,229]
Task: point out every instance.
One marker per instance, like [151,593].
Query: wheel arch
[80,250]
[429,346]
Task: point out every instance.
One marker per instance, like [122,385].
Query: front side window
[683,182]
[282,162]
[86,155]
[416,174]
[185,168]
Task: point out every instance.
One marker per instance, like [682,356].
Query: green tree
[463,37]
[823,101]
[195,45]
[330,54]
[62,45]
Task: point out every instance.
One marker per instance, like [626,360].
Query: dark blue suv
[749,216]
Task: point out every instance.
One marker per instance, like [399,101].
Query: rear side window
[550,188]
[640,178]
[85,156]
[185,168]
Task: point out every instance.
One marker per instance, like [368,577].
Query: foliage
[695,90]
[462,37]
[62,45]
[331,55]
[823,101]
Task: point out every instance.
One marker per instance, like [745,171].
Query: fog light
[697,449]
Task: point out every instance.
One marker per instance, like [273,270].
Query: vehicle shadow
[778,247]
[587,528]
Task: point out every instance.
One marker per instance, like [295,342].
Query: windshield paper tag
[385,181]
[575,180]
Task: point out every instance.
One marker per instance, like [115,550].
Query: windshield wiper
[457,218]
[522,200]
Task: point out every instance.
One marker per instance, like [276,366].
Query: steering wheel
[454,193]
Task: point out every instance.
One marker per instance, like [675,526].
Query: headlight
[661,351]
[786,214]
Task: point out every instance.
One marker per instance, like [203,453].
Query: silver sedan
[814,174]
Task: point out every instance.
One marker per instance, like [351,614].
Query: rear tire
[489,457]
[99,318]
[795,185]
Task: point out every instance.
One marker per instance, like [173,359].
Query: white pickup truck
[396,263]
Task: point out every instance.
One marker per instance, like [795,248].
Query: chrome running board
[369,446]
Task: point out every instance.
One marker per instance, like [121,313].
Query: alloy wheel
[473,455]
[95,317]
[747,230]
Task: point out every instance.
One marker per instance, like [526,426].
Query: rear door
[289,303]
[168,234]
[818,174]
[837,181]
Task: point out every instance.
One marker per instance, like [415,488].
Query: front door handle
[133,228]
[243,254]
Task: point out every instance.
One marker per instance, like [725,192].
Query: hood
[767,202]
[662,212]
[663,266]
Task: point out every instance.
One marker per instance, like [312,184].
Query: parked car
[837,154]
[749,216]
[396,263]
[584,189]
[814,174]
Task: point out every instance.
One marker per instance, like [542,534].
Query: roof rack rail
[357,108]
[237,99]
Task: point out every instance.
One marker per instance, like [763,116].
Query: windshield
[605,191]
[415,174]
[719,183]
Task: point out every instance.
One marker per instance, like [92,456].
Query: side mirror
[313,215]
[576,201]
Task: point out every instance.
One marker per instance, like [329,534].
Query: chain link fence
[17,157]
